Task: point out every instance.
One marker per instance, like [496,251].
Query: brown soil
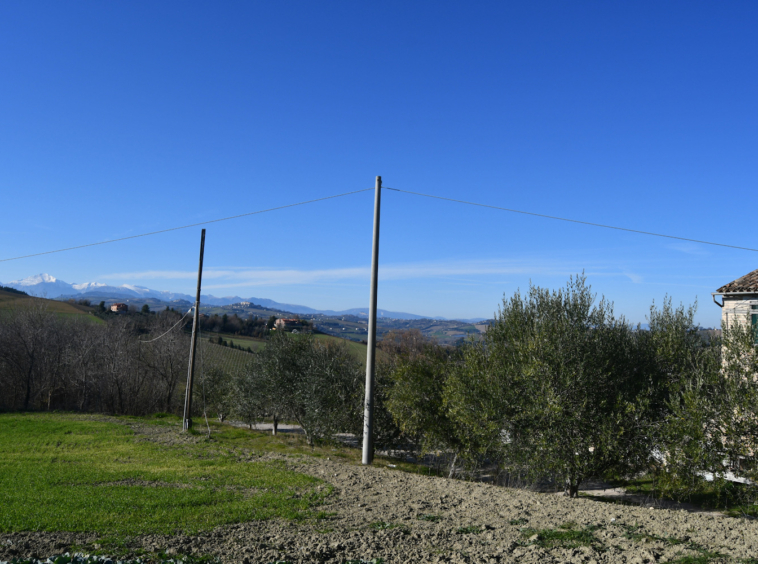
[376,512]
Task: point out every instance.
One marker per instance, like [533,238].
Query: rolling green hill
[226,358]
[357,349]
[241,340]
[9,300]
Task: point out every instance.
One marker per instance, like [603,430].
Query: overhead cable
[169,331]
[572,220]
[187,226]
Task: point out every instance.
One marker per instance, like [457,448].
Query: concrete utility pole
[368,412]
[187,423]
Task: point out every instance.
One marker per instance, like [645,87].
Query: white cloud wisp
[252,277]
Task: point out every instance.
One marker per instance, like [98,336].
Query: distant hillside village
[293,325]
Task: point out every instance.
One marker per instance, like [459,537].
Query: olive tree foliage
[215,392]
[416,399]
[299,378]
[324,398]
[688,364]
[736,407]
[560,387]
[711,428]
[557,388]
[393,350]
[247,400]
[265,388]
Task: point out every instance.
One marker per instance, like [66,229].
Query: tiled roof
[747,283]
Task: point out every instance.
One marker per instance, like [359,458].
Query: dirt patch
[376,512]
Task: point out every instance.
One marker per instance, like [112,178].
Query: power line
[169,331]
[572,220]
[187,226]
[388,188]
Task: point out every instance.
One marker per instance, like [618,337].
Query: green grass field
[357,349]
[9,300]
[228,359]
[90,474]
[243,341]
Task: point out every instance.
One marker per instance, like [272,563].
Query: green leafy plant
[429,517]
[470,530]
[303,379]
[566,536]
[517,522]
[560,387]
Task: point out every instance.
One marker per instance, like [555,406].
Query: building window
[754,321]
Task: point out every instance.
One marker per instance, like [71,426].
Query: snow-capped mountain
[46,286]
[43,285]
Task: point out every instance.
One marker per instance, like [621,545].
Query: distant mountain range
[45,285]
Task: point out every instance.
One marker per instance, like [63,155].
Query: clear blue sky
[124,117]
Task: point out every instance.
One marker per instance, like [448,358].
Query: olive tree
[711,428]
[264,389]
[216,385]
[300,378]
[416,397]
[248,399]
[322,401]
[554,388]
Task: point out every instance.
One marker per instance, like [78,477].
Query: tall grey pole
[187,423]
[368,411]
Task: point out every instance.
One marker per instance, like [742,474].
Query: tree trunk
[28,395]
[572,487]
[167,400]
[452,466]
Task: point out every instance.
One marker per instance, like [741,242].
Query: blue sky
[125,117]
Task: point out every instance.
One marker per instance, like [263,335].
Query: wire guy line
[171,329]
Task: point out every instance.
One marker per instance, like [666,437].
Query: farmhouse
[119,308]
[739,301]
[287,324]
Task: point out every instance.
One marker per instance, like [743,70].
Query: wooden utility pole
[187,423]
[368,412]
